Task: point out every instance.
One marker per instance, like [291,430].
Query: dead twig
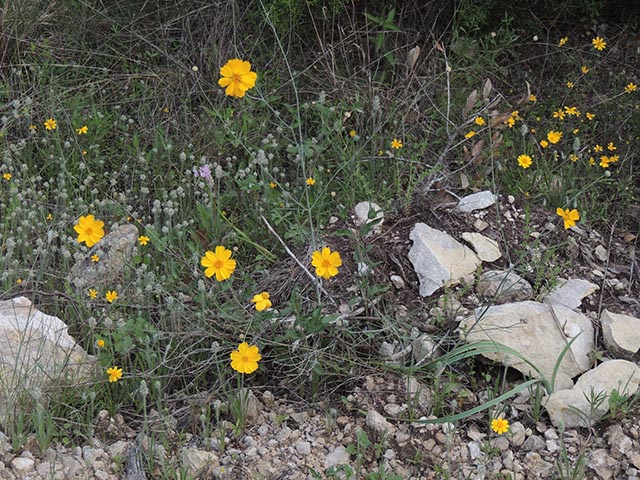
[300,264]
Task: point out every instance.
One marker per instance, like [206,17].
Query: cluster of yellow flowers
[90,231]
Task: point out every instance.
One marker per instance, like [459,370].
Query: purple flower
[203,172]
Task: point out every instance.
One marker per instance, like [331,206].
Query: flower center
[218,263]
[88,231]
[326,263]
[237,78]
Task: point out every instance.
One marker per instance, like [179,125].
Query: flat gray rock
[36,352]
[539,332]
[114,252]
[476,201]
[504,286]
[439,259]
[571,292]
[621,375]
[486,249]
[621,333]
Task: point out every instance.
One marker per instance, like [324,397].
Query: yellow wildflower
[245,359]
[237,77]
[599,44]
[570,217]
[114,373]
[262,301]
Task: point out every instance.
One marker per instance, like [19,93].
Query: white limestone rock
[571,292]
[504,286]
[537,331]
[476,201]
[378,423]
[369,212]
[36,352]
[338,456]
[21,466]
[621,333]
[621,375]
[439,259]
[486,249]
[196,461]
[114,251]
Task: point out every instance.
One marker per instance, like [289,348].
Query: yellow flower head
[218,263]
[33,127]
[470,134]
[310,181]
[273,184]
[7,176]
[397,144]
[82,130]
[93,293]
[573,157]
[524,161]
[554,137]
[631,87]
[95,258]
[572,111]
[533,98]
[570,84]
[590,116]
[570,217]
[114,373]
[245,359]
[544,143]
[500,425]
[559,114]
[111,296]
[606,160]
[563,41]
[611,146]
[89,230]
[599,44]
[100,343]
[584,69]
[479,121]
[50,124]
[352,133]
[237,77]
[326,263]
[143,240]
[262,301]
[597,148]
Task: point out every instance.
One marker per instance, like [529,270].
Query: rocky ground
[291,441]
[380,426]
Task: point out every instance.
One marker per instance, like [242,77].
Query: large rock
[537,331]
[570,292]
[114,252]
[572,407]
[621,333]
[504,286]
[476,201]
[36,353]
[439,259]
